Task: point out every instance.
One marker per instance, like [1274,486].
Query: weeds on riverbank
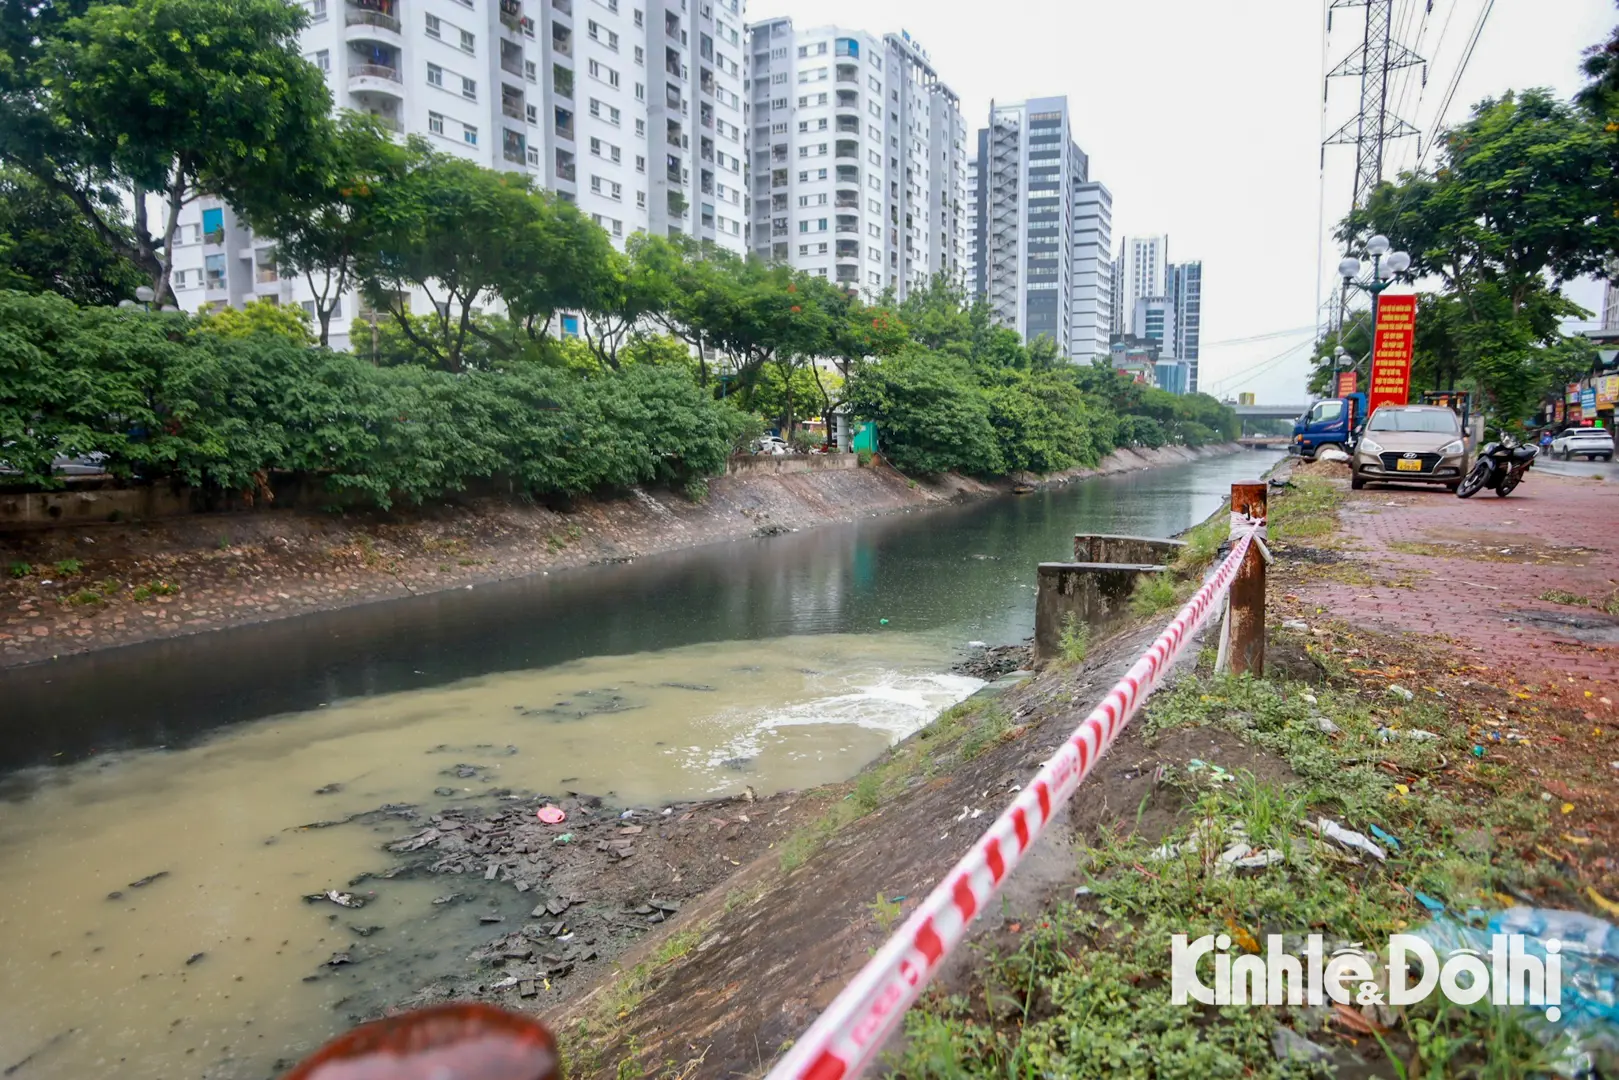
[1309,511]
[1086,993]
[1075,640]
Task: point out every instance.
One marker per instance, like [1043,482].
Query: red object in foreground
[446,1042]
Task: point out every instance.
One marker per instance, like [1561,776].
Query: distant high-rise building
[1044,229]
[1141,271]
[1186,291]
[1154,320]
[859,158]
[973,228]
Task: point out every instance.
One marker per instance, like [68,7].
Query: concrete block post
[1092,594]
[1247,645]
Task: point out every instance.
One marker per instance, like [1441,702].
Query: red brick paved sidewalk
[1474,570]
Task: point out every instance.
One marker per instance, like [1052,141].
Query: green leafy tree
[930,412]
[257,317]
[1521,201]
[173,98]
[46,246]
[456,232]
[324,235]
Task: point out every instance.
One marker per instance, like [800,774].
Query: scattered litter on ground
[1347,837]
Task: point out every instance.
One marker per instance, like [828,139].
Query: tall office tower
[1143,271]
[1044,229]
[1120,322]
[1186,291]
[859,158]
[631,108]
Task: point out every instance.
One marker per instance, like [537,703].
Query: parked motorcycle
[1500,467]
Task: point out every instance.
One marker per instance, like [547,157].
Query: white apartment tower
[859,166]
[630,108]
[1142,271]
[1044,229]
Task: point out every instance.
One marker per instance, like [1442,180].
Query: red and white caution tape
[845,1038]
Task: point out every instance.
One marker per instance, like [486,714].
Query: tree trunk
[171,224]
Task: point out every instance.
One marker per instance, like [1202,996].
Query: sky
[1205,120]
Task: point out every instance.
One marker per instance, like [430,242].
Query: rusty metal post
[1248,591]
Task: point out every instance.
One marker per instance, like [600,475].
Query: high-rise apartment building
[1185,281]
[974,227]
[1141,271]
[1044,229]
[631,108]
[859,158]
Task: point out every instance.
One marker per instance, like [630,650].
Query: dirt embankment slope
[72,590]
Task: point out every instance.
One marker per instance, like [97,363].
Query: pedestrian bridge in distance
[1268,412]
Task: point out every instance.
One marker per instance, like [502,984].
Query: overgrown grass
[1307,511]
[1202,545]
[1087,992]
[1075,640]
[620,998]
[1157,593]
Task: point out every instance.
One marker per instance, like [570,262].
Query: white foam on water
[892,703]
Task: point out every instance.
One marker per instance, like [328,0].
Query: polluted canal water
[152,908]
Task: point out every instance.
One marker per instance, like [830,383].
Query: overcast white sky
[1204,119]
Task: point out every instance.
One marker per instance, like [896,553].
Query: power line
[1455,83]
[1239,377]
[1259,337]
[1416,74]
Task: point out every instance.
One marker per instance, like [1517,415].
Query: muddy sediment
[72,590]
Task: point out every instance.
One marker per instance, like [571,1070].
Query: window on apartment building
[596,147]
[640,199]
[594,29]
[530,71]
[640,56]
[469,88]
[469,134]
[435,123]
[779,78]
[317,10]
[640,163]
[821,249]
[640,91]
[434,28]
[596,183]
[640,128]
[469,43]
[528,26]
[779,103]
[435,75]
[323,60]
[617,191]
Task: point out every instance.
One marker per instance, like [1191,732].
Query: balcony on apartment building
[563,123]
[705,114]
[848,249]
[847,200]
[848,223]
[565,166]
[778,202]
[562,81]
[848,174]
[372,20]
[671,26]
[511,103]
[511,58]
[674,133]
[848,99]
[564,6]
[778,178]
[561,40]
[513,146]
[374,67]
[848,125]
[511,14]
[848,73]
[672,64]
[705,148]
[848,275]
[705,81]
[672,170]
[847,149]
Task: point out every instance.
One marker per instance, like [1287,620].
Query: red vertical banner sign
[1391,350]
[1347,383]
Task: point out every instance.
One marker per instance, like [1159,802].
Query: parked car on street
[1410,444]
[1587,442]
[772,445]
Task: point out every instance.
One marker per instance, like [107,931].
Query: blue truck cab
[1333,422]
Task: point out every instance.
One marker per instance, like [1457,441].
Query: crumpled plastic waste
[1589,1004]
[1331,830]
